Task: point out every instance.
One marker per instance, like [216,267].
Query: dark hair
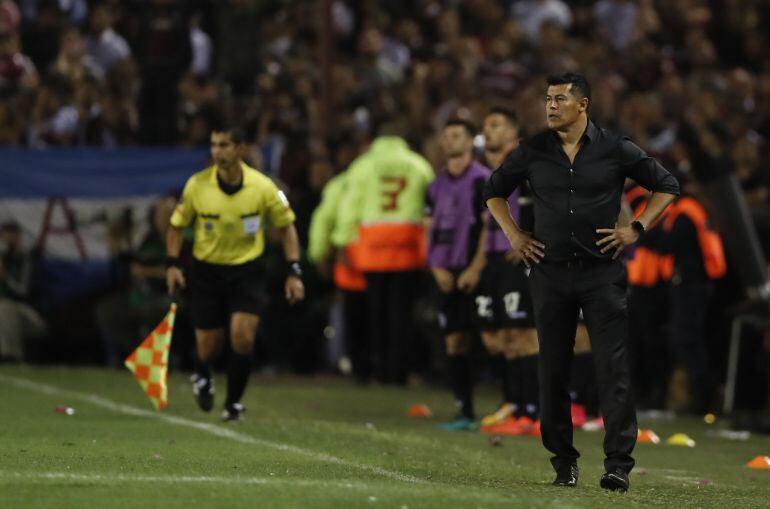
[580,87]
[237,133]
[388,126]
[509,114]
[469,127]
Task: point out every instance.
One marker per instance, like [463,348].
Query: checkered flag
[149,362]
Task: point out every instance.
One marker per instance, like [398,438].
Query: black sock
[237,377]
[202,368]
[460,380]
[497,368]
[513,383]
[530,386]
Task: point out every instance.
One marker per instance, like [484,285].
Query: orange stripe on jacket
[710,242]
[347,276]
[389,247]
[648,267]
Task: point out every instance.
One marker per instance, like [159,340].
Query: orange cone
[760,463]
[647,435]
[420,410]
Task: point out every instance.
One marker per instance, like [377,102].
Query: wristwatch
[638,228]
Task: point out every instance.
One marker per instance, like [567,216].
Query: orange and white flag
[149,362]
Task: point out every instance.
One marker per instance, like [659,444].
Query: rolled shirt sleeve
[507,177]
[646,171]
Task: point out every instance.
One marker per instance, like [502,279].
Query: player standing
[503,302]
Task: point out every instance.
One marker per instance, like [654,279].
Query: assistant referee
[576,172]
[230,203]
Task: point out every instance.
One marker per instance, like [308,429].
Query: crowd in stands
[106,73]
[162,72]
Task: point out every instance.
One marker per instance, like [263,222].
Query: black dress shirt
[573,200]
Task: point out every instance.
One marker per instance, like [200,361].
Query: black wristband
[293,268]
[638,228]
[172,261]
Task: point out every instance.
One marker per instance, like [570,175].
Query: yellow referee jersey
[229,229]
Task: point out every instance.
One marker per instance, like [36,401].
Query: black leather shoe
[566,477]
[615,481]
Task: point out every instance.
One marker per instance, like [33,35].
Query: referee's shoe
[203,389]
[233,412]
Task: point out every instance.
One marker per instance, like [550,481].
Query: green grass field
[319,443]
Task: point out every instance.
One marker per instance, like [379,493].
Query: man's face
[456,141]
[498,132]
[562,108]
[224,151]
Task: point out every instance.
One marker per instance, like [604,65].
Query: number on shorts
[512,301]
[484,306]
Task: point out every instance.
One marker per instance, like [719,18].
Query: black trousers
[689,303]
[648,316]
[357,340]
[390,298]
[559,291]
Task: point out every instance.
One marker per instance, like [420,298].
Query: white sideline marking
[684,478]
[175,479]
[213,429]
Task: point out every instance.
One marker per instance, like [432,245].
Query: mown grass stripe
[219,431]
[174,479]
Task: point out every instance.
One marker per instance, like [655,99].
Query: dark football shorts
[455,309]
[455,312]
[218,291]
[502,299]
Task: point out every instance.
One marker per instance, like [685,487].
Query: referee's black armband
[172,261]
[293,268]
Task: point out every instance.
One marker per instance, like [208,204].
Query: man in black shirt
[576,172]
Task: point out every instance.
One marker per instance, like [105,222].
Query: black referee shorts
[503,299]
[218,291]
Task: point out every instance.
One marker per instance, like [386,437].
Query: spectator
[105,46]
[72,62]
[127,315]
[161,43]
[202,48]
[239,43]
[19,321]
[74,11]
[41,31]
[17,72]
[531,14]
[56,118]
[10,17]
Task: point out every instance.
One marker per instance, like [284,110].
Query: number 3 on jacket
[391,188]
